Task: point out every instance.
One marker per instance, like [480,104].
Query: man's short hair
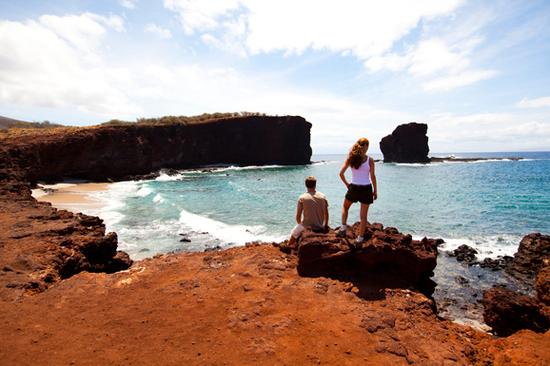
[311,182]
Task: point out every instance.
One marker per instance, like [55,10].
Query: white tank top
[361,176]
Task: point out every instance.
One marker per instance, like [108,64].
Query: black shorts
[362,194]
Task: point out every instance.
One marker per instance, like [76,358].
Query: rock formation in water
[118,152]
[532,252]
[408,143]
[507,311]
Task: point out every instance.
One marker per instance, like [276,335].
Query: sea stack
[408,143]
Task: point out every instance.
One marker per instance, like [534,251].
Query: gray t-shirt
[313,206]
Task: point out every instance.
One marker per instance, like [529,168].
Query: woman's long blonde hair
[355,156]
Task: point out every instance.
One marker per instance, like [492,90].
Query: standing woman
[362,187]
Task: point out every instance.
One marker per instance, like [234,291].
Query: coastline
[73,196]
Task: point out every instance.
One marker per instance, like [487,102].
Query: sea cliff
[118,152]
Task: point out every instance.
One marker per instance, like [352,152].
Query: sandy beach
[75,197]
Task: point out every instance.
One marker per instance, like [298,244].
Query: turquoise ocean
[489,205]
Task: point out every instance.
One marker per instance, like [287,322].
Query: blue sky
[475,71]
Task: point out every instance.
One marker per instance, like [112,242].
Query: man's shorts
[297,231]
[362,194]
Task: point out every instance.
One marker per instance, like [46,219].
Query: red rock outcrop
[542,284]
[400,260]
[533,250]
[40,245]
[506,312]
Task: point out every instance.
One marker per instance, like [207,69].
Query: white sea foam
[490,246]
[158,198]
[448,162]
[163,177]
[113,199]
[228,234]
[144,192]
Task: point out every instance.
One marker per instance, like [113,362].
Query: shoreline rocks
[395,259]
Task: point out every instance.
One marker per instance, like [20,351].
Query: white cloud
[56,62]
[129,4]
[488,132]
[158,31]
[534,103]
[365,28]
[201,15]
[460,79]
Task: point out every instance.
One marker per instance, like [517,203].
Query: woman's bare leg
[345,209]
[363,215]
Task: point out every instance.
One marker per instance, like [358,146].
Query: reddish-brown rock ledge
[240,306]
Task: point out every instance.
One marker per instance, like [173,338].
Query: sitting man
[314,207]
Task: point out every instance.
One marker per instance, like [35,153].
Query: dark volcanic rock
[507,312]
[119,152]
[542,284]
[496,264]
[408,143]
[464,253]
[529,259]
[384,251]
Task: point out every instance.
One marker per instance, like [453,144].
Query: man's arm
[299,209]
[373,179]
[326,214]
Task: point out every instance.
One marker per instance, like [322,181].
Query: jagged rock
[384,250]
[542,285]
[408,143]
[507,312]
[496,264]
[464,253]
[528,260]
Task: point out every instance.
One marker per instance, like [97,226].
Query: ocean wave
[114,201]
[164,177]
[449,162]
[490,246]
[143,192]
[228,234]
[158,198]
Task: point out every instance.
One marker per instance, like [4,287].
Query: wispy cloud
[158,31]
[457,80]
[534,103]
[129,4]
[56,62]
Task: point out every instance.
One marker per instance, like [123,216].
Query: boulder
[507,312]
[408,143]
[464,253]
[542,284]
[529,259]
[387,251]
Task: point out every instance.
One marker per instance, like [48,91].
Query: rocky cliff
[117,152]
[408,143]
